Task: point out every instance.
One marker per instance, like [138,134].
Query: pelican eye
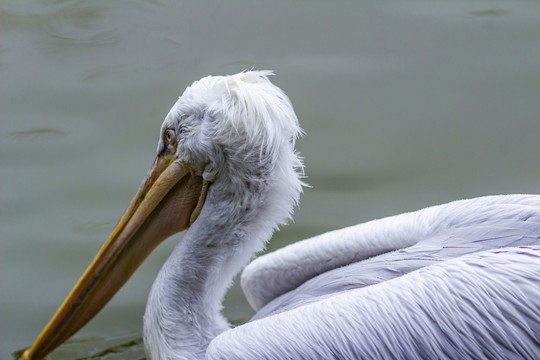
[170,137]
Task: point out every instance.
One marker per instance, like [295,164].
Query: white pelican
[460,280]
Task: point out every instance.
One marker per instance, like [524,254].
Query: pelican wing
[481,305]
[436,249]
[382,249]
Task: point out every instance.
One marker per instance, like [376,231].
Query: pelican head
[227,171]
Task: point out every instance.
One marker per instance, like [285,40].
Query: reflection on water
[404,103]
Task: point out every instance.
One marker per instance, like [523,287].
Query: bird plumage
[483,305]
[379,250]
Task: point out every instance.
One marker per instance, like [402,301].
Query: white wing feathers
[274,274]
[439,232]
[396,263]
[481,305]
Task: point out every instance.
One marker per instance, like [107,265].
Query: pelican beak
[168,201]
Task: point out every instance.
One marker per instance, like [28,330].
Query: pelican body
[454,281]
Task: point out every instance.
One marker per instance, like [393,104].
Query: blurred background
[405,104]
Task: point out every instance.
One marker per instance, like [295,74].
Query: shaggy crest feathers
[248,104]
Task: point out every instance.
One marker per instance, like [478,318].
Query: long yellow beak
[169,199]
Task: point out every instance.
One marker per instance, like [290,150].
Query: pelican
[459,280]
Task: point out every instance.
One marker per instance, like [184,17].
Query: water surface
[405,104]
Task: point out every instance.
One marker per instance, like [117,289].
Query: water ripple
[38,133]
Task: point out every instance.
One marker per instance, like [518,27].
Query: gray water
[405,104]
